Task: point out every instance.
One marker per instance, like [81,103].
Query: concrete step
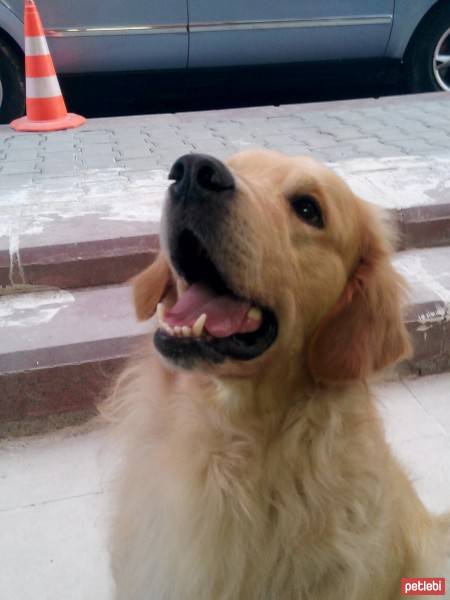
[60,348]
[100,233]
[428,317]
[52,236]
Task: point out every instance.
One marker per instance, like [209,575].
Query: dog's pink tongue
[225,315]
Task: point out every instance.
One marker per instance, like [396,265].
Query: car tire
[431,38]
[12,83]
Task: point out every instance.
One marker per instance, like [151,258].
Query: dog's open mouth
[209,321]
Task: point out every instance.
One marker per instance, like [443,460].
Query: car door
[233,32]
[114,35]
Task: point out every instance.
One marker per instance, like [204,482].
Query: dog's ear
[150,286]
[364,332]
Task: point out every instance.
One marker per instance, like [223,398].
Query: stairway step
[85,263]
[60,348]
[428,318]
[415,190]
[106,237]
[96,234]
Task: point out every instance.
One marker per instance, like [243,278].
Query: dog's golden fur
[271,479]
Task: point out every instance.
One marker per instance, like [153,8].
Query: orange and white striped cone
[46,109]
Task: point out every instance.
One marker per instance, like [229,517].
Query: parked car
[90,37]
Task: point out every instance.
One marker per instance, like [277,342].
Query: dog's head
[272,259]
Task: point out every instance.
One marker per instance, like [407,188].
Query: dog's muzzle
[210,320]
[197,203]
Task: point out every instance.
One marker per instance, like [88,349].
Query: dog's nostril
[207,178]
[177,171]
[214,177]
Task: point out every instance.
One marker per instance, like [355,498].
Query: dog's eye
[308,210]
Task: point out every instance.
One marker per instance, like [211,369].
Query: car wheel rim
[441,61]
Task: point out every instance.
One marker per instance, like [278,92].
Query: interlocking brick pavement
[367,128]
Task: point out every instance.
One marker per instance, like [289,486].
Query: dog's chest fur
[228,513]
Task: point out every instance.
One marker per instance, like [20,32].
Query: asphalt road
[146,93]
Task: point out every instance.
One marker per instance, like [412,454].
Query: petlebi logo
[423,586]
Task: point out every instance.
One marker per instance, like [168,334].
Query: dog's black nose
[199,175]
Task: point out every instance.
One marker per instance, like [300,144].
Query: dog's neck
[268,396]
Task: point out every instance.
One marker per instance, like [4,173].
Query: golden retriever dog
[255,465]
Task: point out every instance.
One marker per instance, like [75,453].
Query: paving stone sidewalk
[395,151]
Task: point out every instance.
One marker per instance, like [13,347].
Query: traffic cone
[46,109]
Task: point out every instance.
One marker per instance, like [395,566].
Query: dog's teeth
[167,328]
[197,328]
[177,330]
[160,311]
[255,313]
[186,331]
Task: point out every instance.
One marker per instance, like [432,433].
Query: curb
[85,264]
[118,258]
